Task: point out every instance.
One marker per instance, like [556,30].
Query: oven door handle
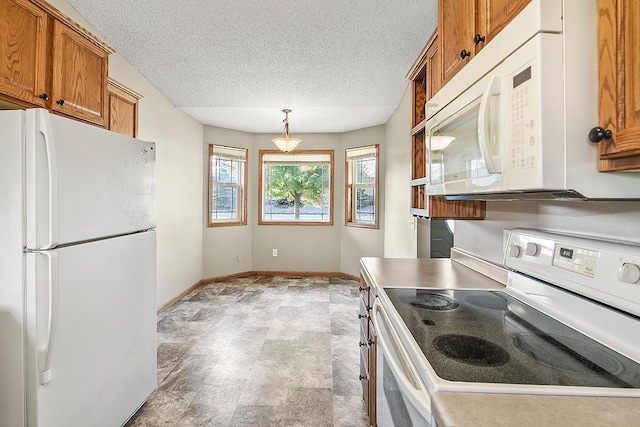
[405,377]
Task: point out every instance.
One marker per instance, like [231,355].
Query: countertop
[453,409]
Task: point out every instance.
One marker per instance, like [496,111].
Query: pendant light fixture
[286,143]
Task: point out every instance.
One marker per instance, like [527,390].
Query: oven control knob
[629,273]
[532,249]
[514,251]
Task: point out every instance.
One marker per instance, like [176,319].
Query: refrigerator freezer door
[91,331]
[84,183]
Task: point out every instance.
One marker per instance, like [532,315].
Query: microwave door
[463,153]
[454,154]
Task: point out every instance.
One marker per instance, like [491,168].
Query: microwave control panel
[523,146]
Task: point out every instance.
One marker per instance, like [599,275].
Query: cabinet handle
[43,96]
[597,134]
[465,54]
[477,39]
[60,102]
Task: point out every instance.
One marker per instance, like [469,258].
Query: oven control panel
[576,259]
[608,272]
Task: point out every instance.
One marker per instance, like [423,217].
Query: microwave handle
[483,123]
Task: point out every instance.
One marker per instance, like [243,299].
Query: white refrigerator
[77,272]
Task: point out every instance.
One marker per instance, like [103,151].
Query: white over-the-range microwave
[514,122]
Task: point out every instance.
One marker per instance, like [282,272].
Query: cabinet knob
[362,344]
[361,288]
[360,316]
[477,39]
[597,134]
[362,377]
[465,54]
[43,96]
[60,102]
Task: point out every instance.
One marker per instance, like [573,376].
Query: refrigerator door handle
[45,352]
[43,126]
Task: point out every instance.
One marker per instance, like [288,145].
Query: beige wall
[300,248]
[226,250]
[400,238]
[178,140]
[336,248]
[356,242]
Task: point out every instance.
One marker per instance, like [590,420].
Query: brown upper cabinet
[619,85]
[49,61]
[123,109]
[465,26]
[23,52]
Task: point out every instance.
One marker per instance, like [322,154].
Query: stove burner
[471,350]
[566,354]
[433,301]
[485,301]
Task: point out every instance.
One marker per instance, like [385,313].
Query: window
[227,186]
[361,190]
[296,188]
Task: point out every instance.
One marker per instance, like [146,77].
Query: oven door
[401,398]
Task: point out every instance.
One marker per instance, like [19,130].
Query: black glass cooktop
[490,337]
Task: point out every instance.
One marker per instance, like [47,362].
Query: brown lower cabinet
[367,347]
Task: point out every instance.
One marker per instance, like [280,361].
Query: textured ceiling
[338,64]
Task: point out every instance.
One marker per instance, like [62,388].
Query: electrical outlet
[275,252]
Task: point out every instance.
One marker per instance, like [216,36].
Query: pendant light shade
[286,143]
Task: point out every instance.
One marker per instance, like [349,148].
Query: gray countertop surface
[454,409]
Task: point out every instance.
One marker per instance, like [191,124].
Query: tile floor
[259,351]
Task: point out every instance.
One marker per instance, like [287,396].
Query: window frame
[349,202]
[262,221]
[243,188]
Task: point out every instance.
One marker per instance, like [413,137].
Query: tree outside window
[296,188]
[227,186]
[361,192]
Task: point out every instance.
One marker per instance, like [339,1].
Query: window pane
[226,170]
[365,205]
[296,187]
[366,171]
[225,203]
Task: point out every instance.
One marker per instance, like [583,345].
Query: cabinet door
[123,109]
[23,36]
[494,15]
[456,28]
[433,64]
[619,75]
[80,69]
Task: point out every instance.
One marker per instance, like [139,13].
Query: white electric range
[567,323]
